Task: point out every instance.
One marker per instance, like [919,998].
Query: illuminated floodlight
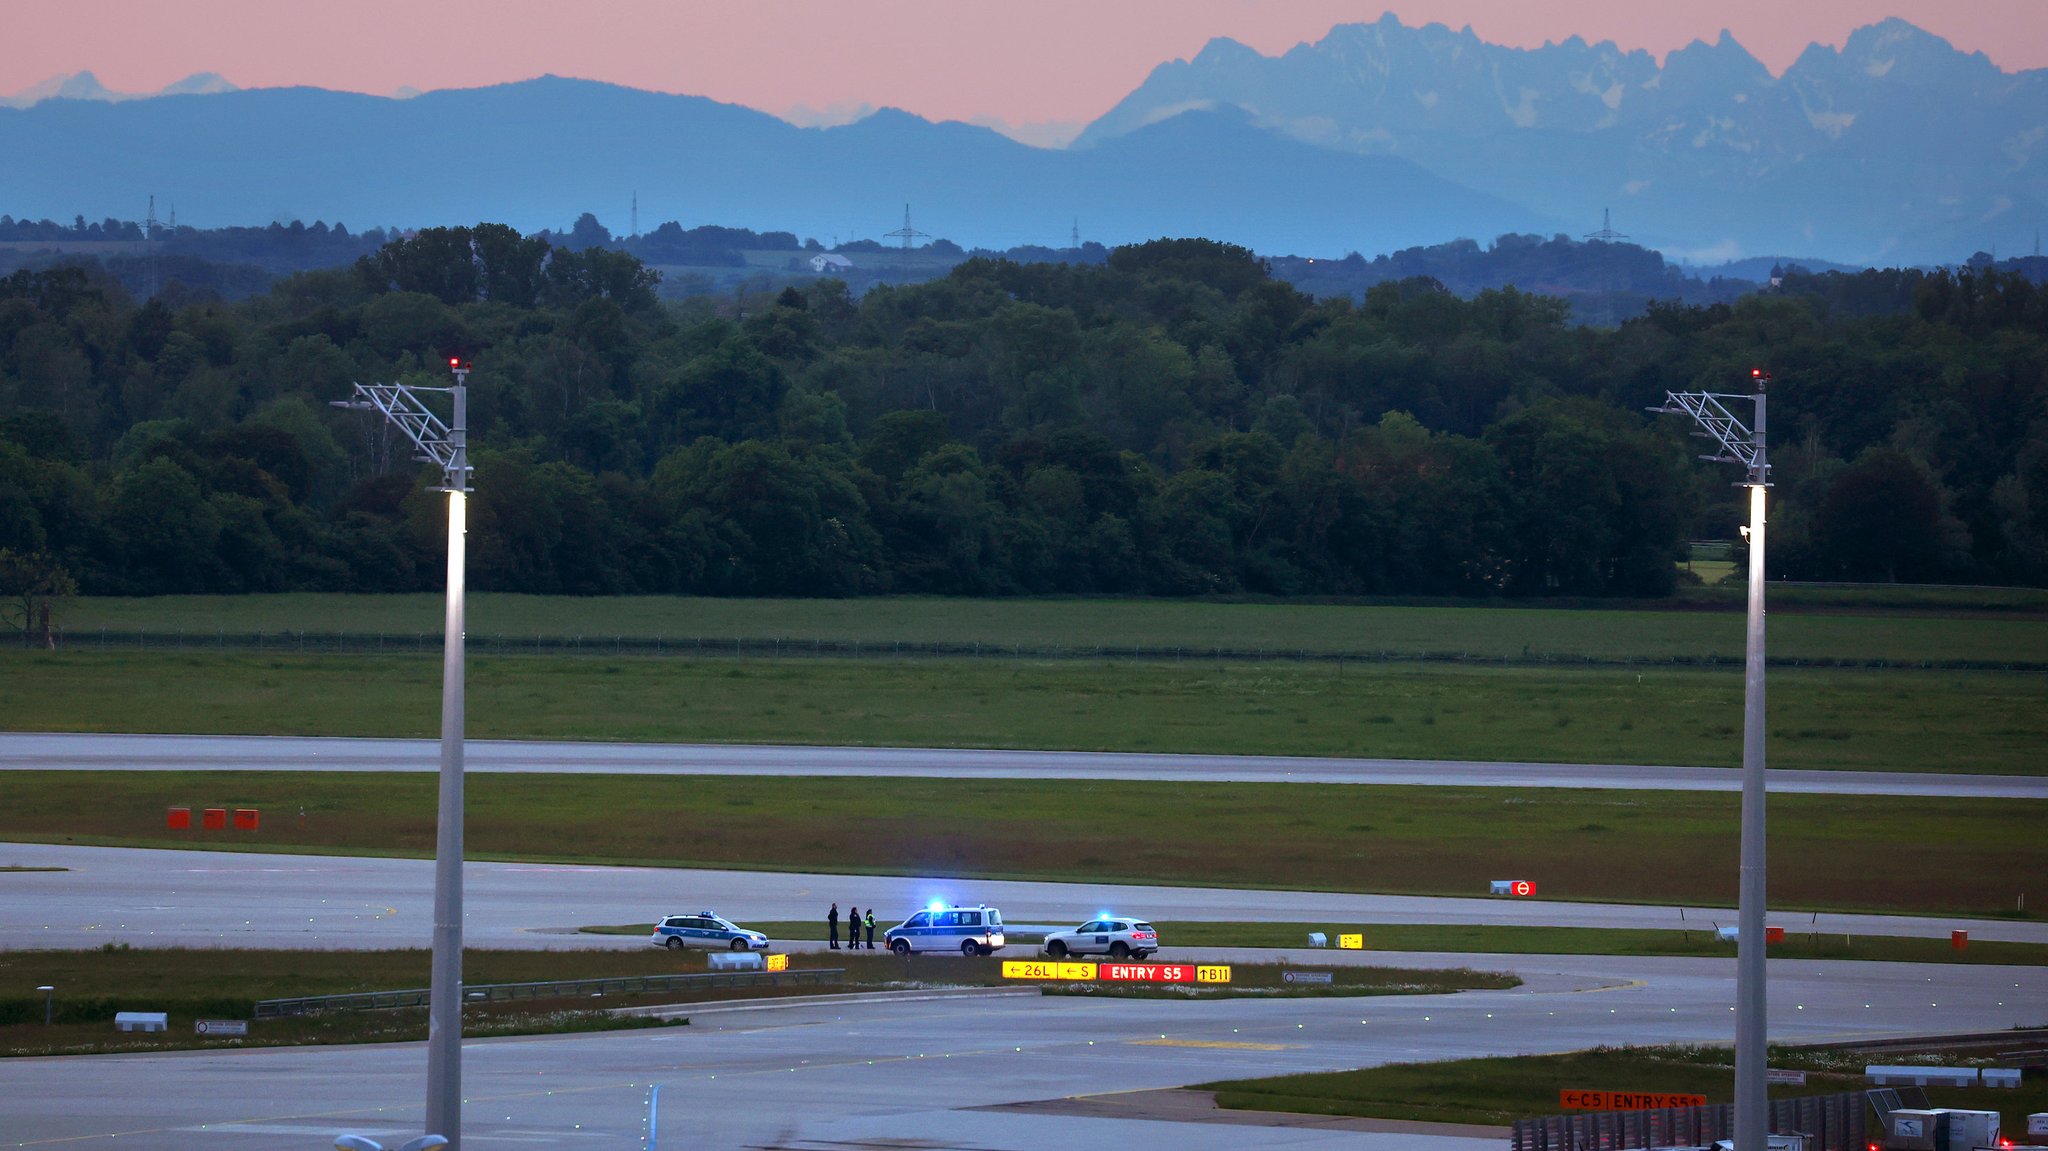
[445,444]
[1742,443]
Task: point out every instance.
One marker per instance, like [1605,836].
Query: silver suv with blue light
[705,929]
[1117,936]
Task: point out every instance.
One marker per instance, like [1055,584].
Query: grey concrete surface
[896,1072]
[33,750]
[920,1074]
[236,899]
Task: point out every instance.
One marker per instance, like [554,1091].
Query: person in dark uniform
[853,928]
[832,926]
[871,929]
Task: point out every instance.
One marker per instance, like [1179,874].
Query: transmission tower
[906,233]
[636,215]
[149,246]
[1606,234]
[1076,237]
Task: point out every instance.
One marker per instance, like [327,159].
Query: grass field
[187,984]
[1827,852]
[1959,631]
[1486,939]
[1498,1091]
[1711,571]
[1987,722]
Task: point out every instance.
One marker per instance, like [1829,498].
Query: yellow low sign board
[1351,942]
[1046,969]
[778,963]
[1116,972]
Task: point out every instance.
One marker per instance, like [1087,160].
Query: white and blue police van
[705,929]
[967,930]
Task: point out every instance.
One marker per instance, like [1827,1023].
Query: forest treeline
[1174,421]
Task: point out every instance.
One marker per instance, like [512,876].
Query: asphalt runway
[31,751]
[983,1073]
[963,1073]
[238,899]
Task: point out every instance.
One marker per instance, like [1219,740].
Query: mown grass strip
[1958,721]
[1862,853]
[1938,624]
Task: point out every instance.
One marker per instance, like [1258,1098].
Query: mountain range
[536,153]
[86,86]
[1895,148]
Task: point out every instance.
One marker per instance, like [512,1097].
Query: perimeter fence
[784,647]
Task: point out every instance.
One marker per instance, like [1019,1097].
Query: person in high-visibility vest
[871,929]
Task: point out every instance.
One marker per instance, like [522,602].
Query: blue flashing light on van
[967,930]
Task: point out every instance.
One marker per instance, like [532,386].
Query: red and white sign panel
[1161,973]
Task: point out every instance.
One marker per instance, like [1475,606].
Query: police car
[1117,936]
[705,929]
[967,930]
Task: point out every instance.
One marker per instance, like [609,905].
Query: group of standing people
[854,923]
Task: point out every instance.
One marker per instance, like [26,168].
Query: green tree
[1884,518]
[1596,503]
[438,262]
[31,584]
[165,532]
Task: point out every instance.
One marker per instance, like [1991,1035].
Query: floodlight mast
[1745,446]
[445,444]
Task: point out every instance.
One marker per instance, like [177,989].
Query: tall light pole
[446,444]
[1745,446]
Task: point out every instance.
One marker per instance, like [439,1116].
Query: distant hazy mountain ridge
[536,153]
[1897,148]
[1897,145]
[86,86]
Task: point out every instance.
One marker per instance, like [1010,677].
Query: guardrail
[776,647]
[556,989]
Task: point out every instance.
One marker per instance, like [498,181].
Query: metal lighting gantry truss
[1740,444]
[437,442]
[447,445]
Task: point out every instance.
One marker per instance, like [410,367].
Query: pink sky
[1047,62]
